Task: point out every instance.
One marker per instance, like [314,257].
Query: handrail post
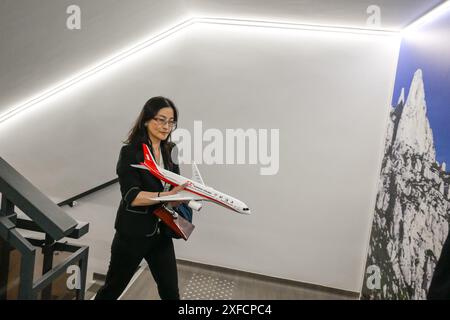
[7,209]
[47,265]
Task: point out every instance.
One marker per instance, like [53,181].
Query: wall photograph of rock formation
[412,212]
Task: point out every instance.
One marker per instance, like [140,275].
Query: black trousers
[440,284]
[126,255]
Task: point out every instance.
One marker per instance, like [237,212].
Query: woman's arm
[144,197]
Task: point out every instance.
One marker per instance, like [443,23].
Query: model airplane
[195,192]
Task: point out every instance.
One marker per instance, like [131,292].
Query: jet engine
[195,205]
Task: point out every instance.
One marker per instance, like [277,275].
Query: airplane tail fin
[149,161]
[196,176]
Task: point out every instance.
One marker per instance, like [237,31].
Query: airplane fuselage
[205,192]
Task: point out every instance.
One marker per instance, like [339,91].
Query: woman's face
[162,124]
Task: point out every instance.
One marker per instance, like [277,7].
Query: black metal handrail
[21,193]
[46,217]
[70,201]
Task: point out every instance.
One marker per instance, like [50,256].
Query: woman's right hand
[177,189]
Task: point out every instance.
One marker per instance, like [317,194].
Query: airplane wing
[196,176]
[180,196]
[174,197]
[139,166]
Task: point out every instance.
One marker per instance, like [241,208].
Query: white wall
[327,93]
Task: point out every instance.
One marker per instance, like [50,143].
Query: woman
[139,235]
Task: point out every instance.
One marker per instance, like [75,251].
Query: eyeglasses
[163,121]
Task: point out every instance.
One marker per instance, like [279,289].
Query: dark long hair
[138,133]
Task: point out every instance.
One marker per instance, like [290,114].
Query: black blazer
[137,221]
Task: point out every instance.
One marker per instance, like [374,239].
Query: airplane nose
[246,210]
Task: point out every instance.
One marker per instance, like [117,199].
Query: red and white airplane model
[195,192]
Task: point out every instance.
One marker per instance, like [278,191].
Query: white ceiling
[38,51]
[395,14]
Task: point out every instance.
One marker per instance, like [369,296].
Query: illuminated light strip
[428,17]
[135,48]
[297,26]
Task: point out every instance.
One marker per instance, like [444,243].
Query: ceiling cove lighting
[428,17]
[148,42]
[99,66]
[295,26]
